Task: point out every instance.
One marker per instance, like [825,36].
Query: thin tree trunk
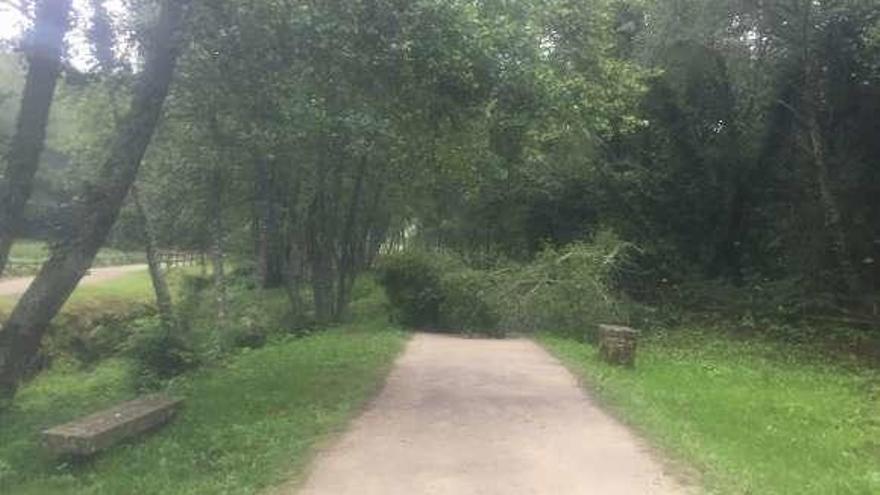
[376,229]
[160,285]
[270,252]
[293,275]
[814,98]
[22,333]
[348,248]
[293,261]
[43,50]
[217,248]
[321,251]
[830,205]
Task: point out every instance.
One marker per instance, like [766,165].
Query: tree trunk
[217,248]
[376,229]
[293,260]
[830,205]
[348,249]
[43,50]
[22,333]
[270,252]
[813,102]
[321,251]
[101,36]
[293,275]
[160,285]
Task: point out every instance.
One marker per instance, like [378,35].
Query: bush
[435,290]
[159,354]
[412,282]
[243,333]
[465,305]
[92,332]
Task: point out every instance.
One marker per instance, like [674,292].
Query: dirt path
[17,286]
[467,417]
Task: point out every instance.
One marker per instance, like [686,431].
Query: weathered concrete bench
[96,432]
[617,344]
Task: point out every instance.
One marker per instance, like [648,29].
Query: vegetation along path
[17,286]
[472,416]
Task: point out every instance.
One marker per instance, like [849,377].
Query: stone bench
[617,344]
[96,432]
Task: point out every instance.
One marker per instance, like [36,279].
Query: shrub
[245,332]
[92,332]
[434,289]
[159,354]
[412,282]
[465,305]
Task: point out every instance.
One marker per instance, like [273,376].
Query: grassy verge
[751,417]
[131,287]
[245,424]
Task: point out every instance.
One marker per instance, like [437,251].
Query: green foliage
[411,280]
[160,353]
[435,290]
[254,316]
[465,305]
[94,332]
[568,290]
[752,416]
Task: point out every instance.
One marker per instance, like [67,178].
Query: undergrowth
[250,419]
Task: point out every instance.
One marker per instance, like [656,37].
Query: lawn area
[26,257]
[112,295]
[751,417]
[247,424]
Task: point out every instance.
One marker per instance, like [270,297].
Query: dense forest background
[730,147]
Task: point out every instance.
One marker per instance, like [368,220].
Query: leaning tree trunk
[830,205]
[43,50]
[160,285]
[22,333]
[813,98]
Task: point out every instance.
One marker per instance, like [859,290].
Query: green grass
[752,418]
[246,425]
[129,287]
[26,256]
[112,295]
[25,251]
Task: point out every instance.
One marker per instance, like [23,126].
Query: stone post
[617,344]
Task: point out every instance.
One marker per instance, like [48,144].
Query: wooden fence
[179,258]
